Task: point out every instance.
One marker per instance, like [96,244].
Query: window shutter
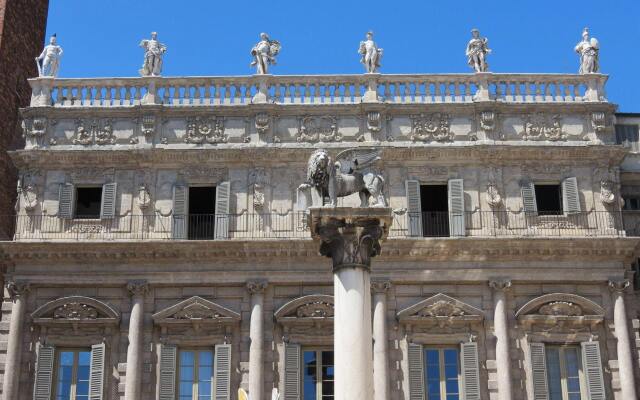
[456,207]
[96,374]
[570,198]
[180,196]
[222,211]
[592,365]
[291,371]
[470,370]
[416,372]
[529,198]
[414,207]
[108,208]
[222,372]
[44,373]
[66,200]
[167,390]
[539,372]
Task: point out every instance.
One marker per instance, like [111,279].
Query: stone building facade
[162,247]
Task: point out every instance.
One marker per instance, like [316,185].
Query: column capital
[137,287]
[256,286]
[17,289]
[619,285]
[500,284]
[380,285]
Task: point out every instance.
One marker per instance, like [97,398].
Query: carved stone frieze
[94,131]
[92,174]
[428,173]
[427,127]
[318,129]
[541,126]
[34,127]
[75,310]
[560,308]
[86,228]
[441,308]
[205,130]
[196,172]
[308,316]
[316,309]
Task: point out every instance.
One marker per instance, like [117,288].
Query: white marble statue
[264,54]
[477,51]
[588,50]
[49,60]
[371,54]
[153,53]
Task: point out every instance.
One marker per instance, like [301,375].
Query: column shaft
[380,347]
[133,382]
[501,332]
[256,335]
[12,363]
[625,362]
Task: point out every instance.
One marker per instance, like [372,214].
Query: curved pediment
[554,307]
[76,309]
[317,306]
[196,309]
[440,309]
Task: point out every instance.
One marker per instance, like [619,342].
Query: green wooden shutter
[222,372]
[570,197]
[592,365]
[470,371]
[44,373]
[414,207]
[529,198]
[180,207]
[223,193]
[416,372]
[457,224]
[539,372]
[66,200]
[108,205]
[96,374]
[168,356]
[292,361]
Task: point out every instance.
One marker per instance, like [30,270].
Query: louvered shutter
[291,371]
[414,207]
[168,356]
[108,207]
[96,372]
[66,200]
[529,198]
[539,372]
[180,217]
[592,365]
[222,372]
[470,371]
[457,224]
[222,210]
[44,373]
[416,372]
[570,197]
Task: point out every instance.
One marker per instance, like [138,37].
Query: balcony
[293,225]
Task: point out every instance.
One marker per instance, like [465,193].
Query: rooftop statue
[153,53]
[264,54]
[477,51]
[49,60]
[588,50]
[371,54]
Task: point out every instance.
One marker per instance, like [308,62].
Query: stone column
[351,237]
[133,381]
[256,335]
[625,362]
[380,340]
[18,292]
[501,332]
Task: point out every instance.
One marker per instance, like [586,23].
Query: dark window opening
[434,204]
[548,199]
[627,135]
[632,203]
[88,201]
[202,208]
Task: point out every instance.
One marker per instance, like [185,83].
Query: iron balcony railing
[293,225]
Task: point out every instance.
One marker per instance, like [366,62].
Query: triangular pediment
[76,309]
[196,309]
[440,307]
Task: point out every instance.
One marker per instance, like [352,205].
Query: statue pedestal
[351,237]
[371,94]
[262,95]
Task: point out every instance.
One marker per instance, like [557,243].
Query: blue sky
[100,38]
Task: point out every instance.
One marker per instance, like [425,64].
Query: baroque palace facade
[162,247]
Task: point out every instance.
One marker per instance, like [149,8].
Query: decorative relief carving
[374,121]
[17,289]
[619,286]
[316,309]
[607,192]
[307,307]
[431,127]
[76,311]
[488,121]
[92,174]
[599,121]
[34,127]
[86,228]
[258,179]
[144,197]
[137,287]
[322,129]
[262,123]
[196,310]
[493,195]
[254,287]
[380,286]
[94,131]
[543,127]
[201,172]
[503,284]
[205,130]
[560,308]
[560,312]
[441,308]
[148,125]
[27,190]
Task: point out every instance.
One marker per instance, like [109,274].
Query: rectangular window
[434,205]
[548,199]
[564,372]
[442,373]
[627,135]
[202,210]
[317,375]
[88,202]
[631,203]
[195,375]
[72,375]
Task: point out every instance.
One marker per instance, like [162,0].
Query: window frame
[195,395]
[560,210]
[77,199]
[563,368]
[634,144]
[319,382]
[441,369]
[74,374]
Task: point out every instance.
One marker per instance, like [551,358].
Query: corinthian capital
[500,284]
[380,286]
[257,286]
[137,287]
[17,289]
[619,286]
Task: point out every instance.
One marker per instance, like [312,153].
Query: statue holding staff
[48,61]
[153,52]
[589,50]
[264,54]
[477,51]
[371,54]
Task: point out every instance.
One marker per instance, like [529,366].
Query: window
[632,203]
[442,373]
[564,372]
[548,199]
[317,375]
[88,202]
[202,209]
[434,204]
[195,375]
[627,135]
[72,375]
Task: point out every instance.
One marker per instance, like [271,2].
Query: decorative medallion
[205,130]
[431,127]
[75,311]
[322,129]
[543,127]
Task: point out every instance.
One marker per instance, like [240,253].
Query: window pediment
[440,310]
[76,310]
[560,309]
[196,310]
[308,319]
